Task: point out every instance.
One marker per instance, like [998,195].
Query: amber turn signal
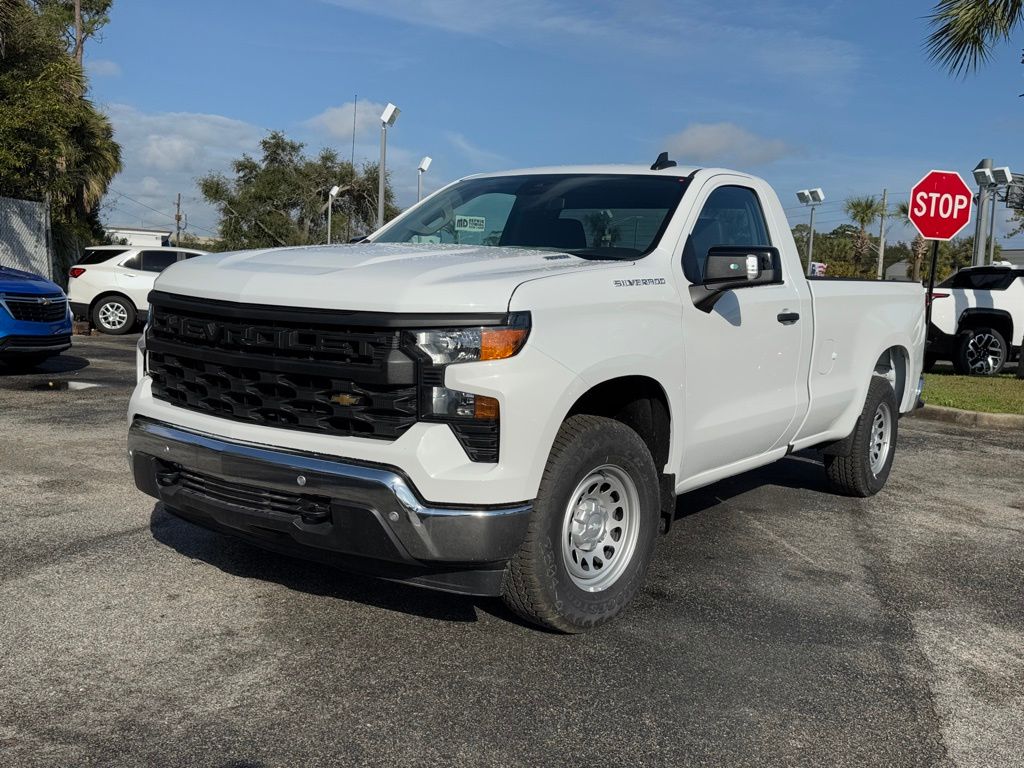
[485,408]
[498,344]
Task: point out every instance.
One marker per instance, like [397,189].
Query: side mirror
[730,267]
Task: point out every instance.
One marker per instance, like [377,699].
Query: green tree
[1018,216]
[863,211]
[54,144]
[75,20]
[280,198]
[965,32]
[919,248]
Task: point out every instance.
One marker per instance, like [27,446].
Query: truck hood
[381,277]
[16,281]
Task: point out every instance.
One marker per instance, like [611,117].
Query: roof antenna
[663,162]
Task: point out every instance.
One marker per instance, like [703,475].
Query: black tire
[929,362]
[969,361]
[116,304]
[851,473]
[537,583]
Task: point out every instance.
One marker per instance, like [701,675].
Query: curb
[969,418]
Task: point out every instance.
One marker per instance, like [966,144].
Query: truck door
[743,356]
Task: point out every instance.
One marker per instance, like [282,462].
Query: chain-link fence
[25,236]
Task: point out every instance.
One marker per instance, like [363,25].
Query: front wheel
[981,352]
[592,530]
[863,470]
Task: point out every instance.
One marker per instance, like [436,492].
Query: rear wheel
[114,315]
[592,530]
[865,468]
[981,352]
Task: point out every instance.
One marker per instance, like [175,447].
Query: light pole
[982,175]
[387,119]
[1003,178]
[330,207]
[424,166]
[989,181]
[812,198]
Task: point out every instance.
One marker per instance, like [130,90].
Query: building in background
[898,271]
[139,237]
[1013,255]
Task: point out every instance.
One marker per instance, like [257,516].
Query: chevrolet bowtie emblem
[346,399]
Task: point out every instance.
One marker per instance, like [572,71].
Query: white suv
[110,284]
[978,319]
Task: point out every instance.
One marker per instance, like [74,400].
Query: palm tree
[919,247]
[863,211]
[965,32]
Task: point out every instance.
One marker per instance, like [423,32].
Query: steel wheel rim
[880,442]
[113,316]
[600,528]
[985,353]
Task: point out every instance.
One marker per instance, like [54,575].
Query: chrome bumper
[367,511]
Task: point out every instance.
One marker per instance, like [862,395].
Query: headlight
[467,345]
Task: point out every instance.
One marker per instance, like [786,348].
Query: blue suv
[35,321]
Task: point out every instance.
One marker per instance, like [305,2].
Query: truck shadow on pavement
[800,471]
[239,558]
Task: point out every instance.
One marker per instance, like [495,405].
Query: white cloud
[337,121]
[480,159]
[474,17]
[163,153]
[724,144]
[772,38]
[103,67]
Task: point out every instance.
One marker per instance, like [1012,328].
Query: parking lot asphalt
[780,625]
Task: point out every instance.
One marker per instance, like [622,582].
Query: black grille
[37,309]
[309,371]
[35,343]
[312,509]
[478,439]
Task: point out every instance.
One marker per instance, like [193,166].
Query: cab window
[731,216]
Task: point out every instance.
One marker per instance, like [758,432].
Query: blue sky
[830,94]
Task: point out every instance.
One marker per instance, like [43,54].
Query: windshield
[589,215]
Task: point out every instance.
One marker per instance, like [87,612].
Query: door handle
[788,318]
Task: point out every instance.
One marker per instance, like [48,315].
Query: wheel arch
[985,317]
[894,365]
[641,403]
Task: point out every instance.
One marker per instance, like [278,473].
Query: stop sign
[940,205]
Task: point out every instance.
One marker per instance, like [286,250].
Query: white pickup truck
[502,391]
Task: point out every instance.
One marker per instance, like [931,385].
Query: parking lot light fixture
[423,168]
[811,198]
[330,206]
[387,120]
